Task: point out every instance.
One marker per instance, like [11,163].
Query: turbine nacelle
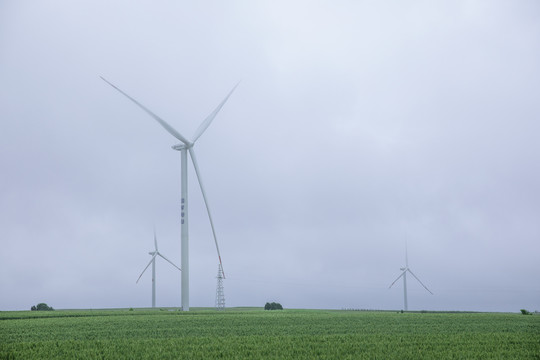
[180,147]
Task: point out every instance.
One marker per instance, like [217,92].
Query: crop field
[259,334]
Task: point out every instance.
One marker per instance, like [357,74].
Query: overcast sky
[358,126]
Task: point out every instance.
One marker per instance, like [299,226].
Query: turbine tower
[154,254]
[184,147]
[404,275]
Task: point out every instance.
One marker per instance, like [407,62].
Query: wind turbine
[155,254]
[184,147]
[404,275]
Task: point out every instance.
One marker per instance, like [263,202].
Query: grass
[254,333]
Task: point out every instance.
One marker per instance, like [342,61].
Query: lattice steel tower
[220,296]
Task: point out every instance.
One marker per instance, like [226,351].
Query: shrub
[525,312]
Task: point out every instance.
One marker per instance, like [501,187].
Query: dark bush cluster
[273,306]
[41,307]
[525,312]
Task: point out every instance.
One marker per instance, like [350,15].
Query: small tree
[525,312]
[33,308]
[273,306]
[42,307]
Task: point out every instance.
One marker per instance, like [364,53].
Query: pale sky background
[358,126]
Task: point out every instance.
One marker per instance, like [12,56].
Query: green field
[254,333]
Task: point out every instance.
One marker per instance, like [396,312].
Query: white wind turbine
[155,254]
[404,275]
[185,147]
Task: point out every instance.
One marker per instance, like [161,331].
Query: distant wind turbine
[404,275]
[155,254]
[184,147]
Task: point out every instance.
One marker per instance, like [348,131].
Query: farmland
[254,333]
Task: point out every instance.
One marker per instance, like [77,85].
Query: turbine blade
[204,125]
[399,277]
[169,261]
[406,255]
[163,123]
[425,287]
[153,257]
[155,239]
[196,166]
